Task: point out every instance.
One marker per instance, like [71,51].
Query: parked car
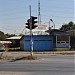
[2,47]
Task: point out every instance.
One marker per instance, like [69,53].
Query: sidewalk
[16,54]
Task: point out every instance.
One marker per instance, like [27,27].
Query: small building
[57,40]
[15,41]
[61,39]
[40,43]
[72,36]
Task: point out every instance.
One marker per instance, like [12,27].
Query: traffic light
[28,24]
[33,22]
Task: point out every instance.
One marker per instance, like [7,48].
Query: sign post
[30,22]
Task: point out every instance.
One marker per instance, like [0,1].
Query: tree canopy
[4,36]
[68,26]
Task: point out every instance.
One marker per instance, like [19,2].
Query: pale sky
[14,13]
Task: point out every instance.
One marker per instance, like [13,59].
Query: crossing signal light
[28,24]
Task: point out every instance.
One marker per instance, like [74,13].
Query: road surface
[46,65]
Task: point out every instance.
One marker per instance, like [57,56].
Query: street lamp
[49,25]
[52,22]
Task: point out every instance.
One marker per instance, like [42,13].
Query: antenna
[39,15]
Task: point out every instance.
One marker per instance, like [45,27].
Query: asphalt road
[46,65]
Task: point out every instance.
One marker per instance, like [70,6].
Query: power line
[42,6]
[57,16]
[56,7]
[57,11]
[12,9]
[21,12]
[7,19]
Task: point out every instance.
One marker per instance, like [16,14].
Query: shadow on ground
[24,58]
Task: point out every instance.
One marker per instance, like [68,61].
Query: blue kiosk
[56,40]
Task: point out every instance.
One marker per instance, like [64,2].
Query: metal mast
[39,15]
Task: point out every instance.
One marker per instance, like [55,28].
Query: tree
[4,36]
[1,35]
[68,26]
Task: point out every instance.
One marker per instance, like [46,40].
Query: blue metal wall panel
[36,46]
[27,43]
[40,43]
[27,46]
[43,46]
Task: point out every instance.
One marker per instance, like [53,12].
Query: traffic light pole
[31,41]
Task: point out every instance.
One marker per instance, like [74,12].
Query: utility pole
[31,25]
[31,41]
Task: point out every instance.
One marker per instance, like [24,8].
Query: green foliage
[4,36]
[1,35]
[68,26]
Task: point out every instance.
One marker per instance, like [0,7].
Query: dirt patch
[13,59]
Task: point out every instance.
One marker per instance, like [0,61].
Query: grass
[57,53]
[12,49]
[7,58]
[18,58]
